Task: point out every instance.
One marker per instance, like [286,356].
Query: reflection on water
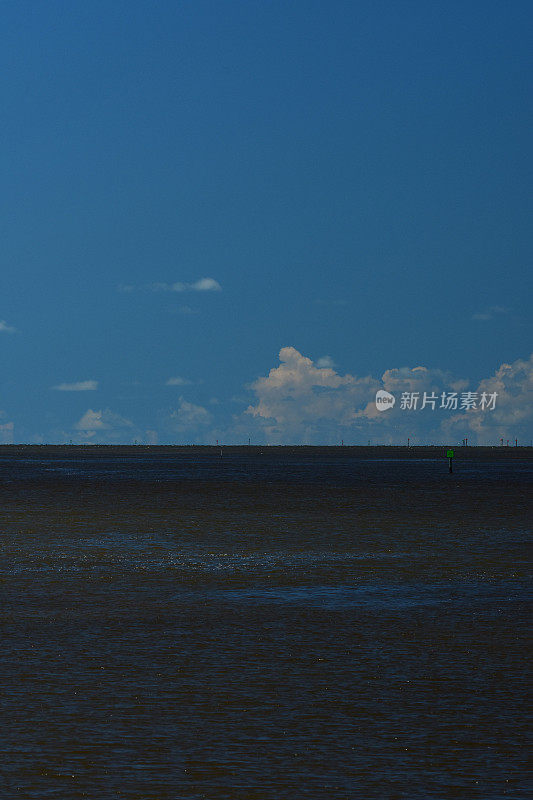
[181,628]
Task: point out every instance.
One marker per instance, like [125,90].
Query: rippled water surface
[263,627]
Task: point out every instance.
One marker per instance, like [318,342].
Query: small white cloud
[201,285]
[5,328]
[80,386]
[206,285]
[189,416]
[6,431]
[101,420]
[325,362]
[177,381]
[490,313]
[91,421]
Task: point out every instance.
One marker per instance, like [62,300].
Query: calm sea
[263,627]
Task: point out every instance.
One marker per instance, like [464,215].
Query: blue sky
[352,178]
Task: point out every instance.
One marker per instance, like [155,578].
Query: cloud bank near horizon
[302,401]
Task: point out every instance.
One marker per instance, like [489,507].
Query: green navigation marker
[449,456]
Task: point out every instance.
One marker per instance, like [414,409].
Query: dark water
[263,628]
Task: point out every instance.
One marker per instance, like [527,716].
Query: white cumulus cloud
[300,402]
[512,417]
[189,416]
[6,430]
[101,421]
[5,328]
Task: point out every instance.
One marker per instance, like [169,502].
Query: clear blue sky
[354,176]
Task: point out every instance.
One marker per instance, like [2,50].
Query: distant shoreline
[494,453]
